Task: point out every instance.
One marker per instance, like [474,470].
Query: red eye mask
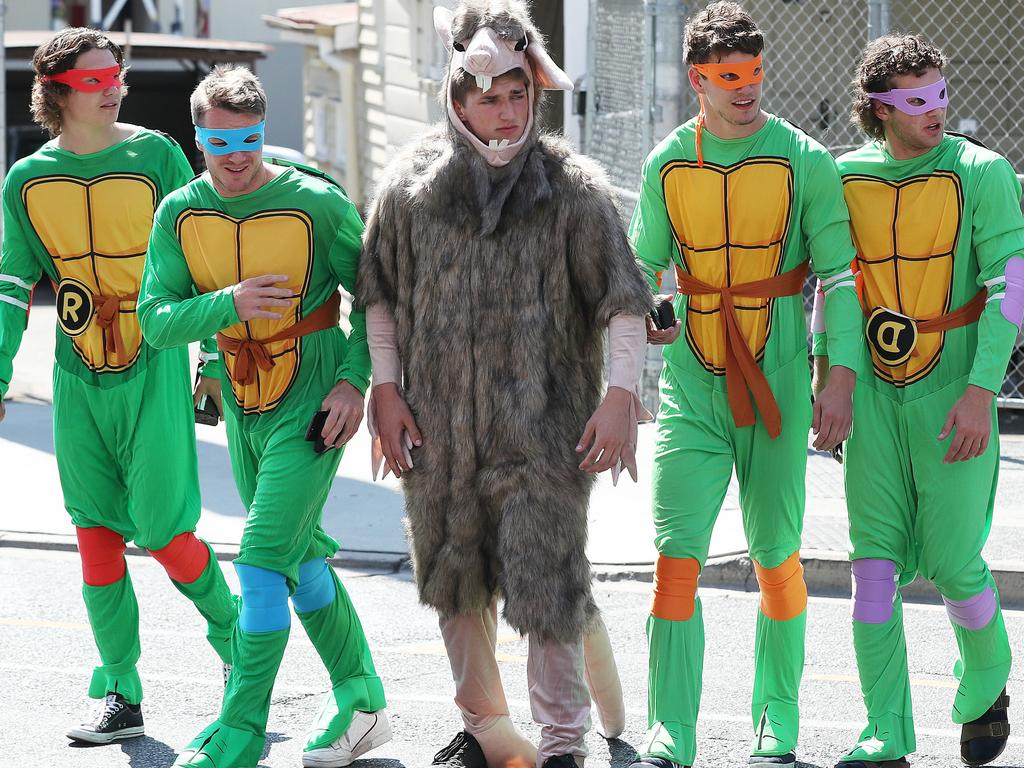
[87,80]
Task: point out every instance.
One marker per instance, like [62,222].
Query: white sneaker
[368,731]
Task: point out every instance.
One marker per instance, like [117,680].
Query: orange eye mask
[735,74]
[731,76]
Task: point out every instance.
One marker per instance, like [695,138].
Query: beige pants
[559,699]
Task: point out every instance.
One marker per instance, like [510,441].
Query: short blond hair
[235,89]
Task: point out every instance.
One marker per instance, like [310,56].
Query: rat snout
[479,60]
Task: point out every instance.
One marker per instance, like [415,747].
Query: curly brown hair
[719,29]
[57,55]
[887,57]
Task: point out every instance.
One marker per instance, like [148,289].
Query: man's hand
[606,438]
[660,337]
[394,421]
[254,295]
[971,417]
[833,409]
[210,387]
[3,410]
[344,405]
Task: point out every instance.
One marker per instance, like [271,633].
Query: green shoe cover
[221,746]
[977,690]
[365,694]
[116,678]
[776,730]
[886,738]
[672,741]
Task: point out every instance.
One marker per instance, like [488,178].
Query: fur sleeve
[377,282]
[602,260]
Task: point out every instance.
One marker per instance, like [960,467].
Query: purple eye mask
[934,96]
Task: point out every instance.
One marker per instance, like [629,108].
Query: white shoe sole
[330,758]
[91,737]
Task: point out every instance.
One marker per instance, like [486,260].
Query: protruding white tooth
[484,82]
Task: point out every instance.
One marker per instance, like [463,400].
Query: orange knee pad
[675,588]
[102,553]
[783,590]
[184,559]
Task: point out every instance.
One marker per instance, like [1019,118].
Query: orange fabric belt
[743,376]
[958,318]
[253,353]
[107,310]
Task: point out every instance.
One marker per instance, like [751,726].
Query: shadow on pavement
[620,753]
[142,752]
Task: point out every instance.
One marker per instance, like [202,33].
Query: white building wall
[280,72]
[27,14]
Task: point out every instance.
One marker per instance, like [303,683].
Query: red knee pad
[184,559]
[102,552]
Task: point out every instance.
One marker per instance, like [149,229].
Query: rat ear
[443,24]
[548,74]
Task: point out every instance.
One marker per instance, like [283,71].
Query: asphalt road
[46,654]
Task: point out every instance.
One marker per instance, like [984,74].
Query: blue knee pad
[264,600]
[316,587]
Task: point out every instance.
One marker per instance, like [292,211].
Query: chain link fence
[639,93]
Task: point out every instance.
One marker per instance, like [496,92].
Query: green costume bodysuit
[754,213]
[931,233]
[301,225]
[120,406]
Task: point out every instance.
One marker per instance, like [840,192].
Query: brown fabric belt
[107,310]
[253,353]
[743,376]
[958,318]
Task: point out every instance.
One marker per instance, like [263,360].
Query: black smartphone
[664,315]
[314,434]
[206,412]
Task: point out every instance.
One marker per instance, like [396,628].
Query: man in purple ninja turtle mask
[494,260]
[940,272]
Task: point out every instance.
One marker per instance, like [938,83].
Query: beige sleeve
[380,335]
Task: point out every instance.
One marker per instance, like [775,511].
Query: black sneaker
[787,759]
[463,752]
[118,720]
[560,761]
[654,762]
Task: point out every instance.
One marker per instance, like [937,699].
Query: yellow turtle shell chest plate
[730,224]
[906,233]
[221,250]
[96,232]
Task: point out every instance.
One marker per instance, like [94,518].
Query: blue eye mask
[224,141]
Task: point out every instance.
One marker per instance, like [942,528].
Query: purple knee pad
[1013,301]
[874,590]
[974,612]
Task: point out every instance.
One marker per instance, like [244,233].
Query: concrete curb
[386,562]
[827,574]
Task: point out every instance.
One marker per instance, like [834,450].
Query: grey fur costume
[501,282]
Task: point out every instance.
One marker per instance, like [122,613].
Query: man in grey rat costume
[494,260]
